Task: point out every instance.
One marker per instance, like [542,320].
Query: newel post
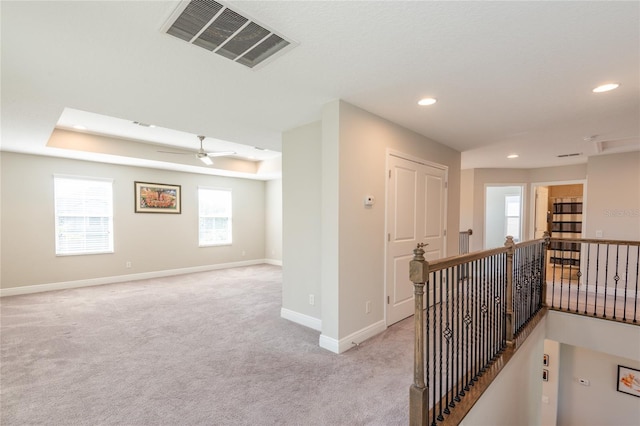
[543,275]
[418,393]
[510,245]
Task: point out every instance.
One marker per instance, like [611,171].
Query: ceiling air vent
[575,154]
[227,32]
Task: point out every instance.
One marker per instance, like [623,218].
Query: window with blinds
[214,212]
[83,215]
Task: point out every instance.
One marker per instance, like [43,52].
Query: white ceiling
[510,77]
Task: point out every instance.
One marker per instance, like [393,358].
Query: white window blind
[83,215]
[214,212]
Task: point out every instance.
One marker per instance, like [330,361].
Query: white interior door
[542,207]
[416,196]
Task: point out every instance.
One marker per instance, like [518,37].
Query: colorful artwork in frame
[157,198]
[629,380]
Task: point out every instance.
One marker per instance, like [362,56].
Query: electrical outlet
[128,264]
[367,307]
[312,300]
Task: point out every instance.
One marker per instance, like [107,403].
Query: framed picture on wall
[629,380]
[157,198]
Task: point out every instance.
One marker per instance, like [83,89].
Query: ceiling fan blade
[176,152]
[220,153]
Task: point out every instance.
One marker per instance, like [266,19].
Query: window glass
[214,212]
[83,215]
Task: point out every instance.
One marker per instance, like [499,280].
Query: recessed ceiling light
[513,156]
[606,87]
[427,101]
[79,127]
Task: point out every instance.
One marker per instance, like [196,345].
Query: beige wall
[301,192]
[332,243]
[599,403]
[484,177]
[151,242]
[476,180]
[273,220]
[604,344]
[513,398]
[613,196]
[364,139]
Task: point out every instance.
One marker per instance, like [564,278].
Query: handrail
[447,262]
[597,241]
[479,304]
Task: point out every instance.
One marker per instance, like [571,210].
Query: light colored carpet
[200,349]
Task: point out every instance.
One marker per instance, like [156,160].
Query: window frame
[507,216]
[228,216]
[58,247]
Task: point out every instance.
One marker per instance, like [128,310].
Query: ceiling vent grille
[229,33]
[575,154]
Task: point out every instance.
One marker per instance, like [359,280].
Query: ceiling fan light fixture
[606,87]
[427,101]
[206,160]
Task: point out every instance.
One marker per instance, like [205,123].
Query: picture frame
[545,360]
[545,375]
[628,380]
[157,198]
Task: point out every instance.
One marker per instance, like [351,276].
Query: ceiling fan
[201,154]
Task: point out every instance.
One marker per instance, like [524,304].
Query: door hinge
[446,185]
[388,237]
[388,300]
[389,173]
[445,232]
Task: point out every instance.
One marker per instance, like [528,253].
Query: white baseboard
[275,262]
[348,342]
[38,288]
[302,319]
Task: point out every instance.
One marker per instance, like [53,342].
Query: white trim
[532,195]
[329,343]
[302,319]
[404,156]
[348,342]
[524,187]
[275,262]
[38,288]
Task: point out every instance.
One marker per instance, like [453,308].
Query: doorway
[503,214]
[559,210]
[416,213]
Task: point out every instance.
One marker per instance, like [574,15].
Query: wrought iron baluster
[586,287]
[626,283]
[440,416]
[635,305]
[553,285]
[467,323]
[458,363]
[474,298]
[606,281]
[435,351]
[579,275]
[595,305]
[447,334]
[616,278]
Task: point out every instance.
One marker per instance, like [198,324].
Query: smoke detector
[218,28]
